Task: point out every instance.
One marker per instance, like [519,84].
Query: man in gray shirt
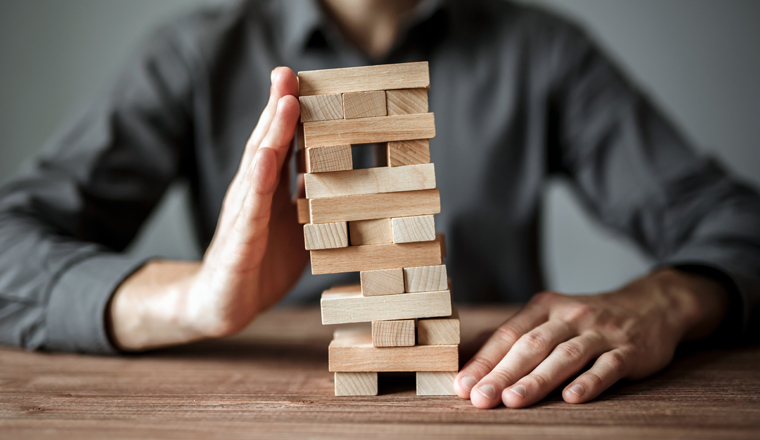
[519,96]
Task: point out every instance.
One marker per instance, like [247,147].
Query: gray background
[699,59]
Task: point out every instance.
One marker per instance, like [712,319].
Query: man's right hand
[255,257]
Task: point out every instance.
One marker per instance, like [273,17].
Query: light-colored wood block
[369,130]
[425,278]
[321,107]
[405,102]
[352,350]
[370,181]
[383,282]
[356,384]
[401,153]
[364,79]
[439,331]
[375,206]
[364,105]
[413,229]
[325,159]
[393,333]
[302,206]
[325,236]
[375,257]
[346,305]
[364,232]
[436,383]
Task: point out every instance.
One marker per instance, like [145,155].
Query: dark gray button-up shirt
[519,96]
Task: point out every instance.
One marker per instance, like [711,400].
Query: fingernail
[488,391]
[578,389]
[519,390]
[467,383]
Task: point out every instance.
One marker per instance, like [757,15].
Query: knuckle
[534,341]
[615,361]
[580,312]
[507,333]
[593,379]
[539,380]
[480,364]
[570,350]
[502,376]
[545,296]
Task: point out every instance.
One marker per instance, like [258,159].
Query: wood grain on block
[441,239]
[369,181]
[436,383]
[363,232]
[325,235]
[321,108]
[405,102]
[439,331]
[302,206]
[343,306]
[425,278]
[383,282]
[356,384]
[375,206]
[352,350]
[369,130]
[401,153]
[325,159]
[375,257]
[393,333]
[364,105]
[413,229]
[364,79]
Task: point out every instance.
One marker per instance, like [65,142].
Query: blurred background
[699,59]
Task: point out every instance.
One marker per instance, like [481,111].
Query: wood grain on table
[272,381]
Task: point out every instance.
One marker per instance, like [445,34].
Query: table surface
[271,381]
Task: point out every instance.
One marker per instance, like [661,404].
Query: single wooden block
[364,79]
[364,105]
[356,384]
[375,206]
[413,229]
[425,278]
[436,383]
[375,257]
[369,130]
[302,205]
[352,350]
[321,107]
[439,331]
[393,333]
[325,159]
[405,102]
[382,282]
[369,181]
[363,232]
[325,235]
[401,153]
[346,304]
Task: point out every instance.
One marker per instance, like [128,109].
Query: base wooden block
[356,384]
[409,101]
[369,130]
[365,78]
[366,232]
[325,159]
[439,331]
[413,229]
[425,278]
[369,181]
[382,282]
[352,350]
[365,105]
[325,236]
[393,333]
[375,257]
[345,304]
[302,205]
[321,108]
[375,206]
[401,153]
[436,383]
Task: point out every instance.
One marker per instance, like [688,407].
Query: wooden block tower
[379,222]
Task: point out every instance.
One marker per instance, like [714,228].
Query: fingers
[608,369]
[565,360]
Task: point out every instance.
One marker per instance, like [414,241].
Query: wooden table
[271,381]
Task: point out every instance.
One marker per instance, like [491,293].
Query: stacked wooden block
[379,222]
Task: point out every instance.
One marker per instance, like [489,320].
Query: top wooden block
[364,79]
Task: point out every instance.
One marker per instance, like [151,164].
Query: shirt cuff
[76,313]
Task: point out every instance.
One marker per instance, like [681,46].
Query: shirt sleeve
[638,175]
[65,218]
